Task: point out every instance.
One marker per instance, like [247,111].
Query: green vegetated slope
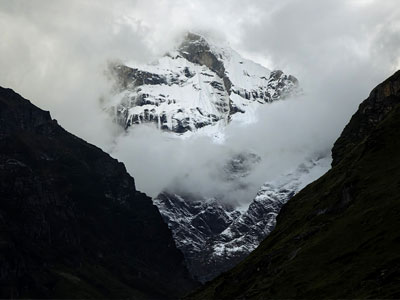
[340,236]
[72,224]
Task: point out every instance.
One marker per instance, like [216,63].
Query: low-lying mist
[284,136]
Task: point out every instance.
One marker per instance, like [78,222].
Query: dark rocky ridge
[72,224]
[373,110]
[340,236]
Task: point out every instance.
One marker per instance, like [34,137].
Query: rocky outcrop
[129,77]
[194,222]
[338,237]
[72,224]
[197,50]
[370,113]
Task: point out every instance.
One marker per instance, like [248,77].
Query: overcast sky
[55,52]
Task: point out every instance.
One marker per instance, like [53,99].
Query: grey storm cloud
[55,53]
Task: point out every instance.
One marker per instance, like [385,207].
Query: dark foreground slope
[340,236]
[71,221]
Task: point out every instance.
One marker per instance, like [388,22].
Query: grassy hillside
[340,236]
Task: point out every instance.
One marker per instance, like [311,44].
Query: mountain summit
[199,87]
[196,85]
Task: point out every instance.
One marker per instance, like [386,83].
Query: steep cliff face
[72,224]
[339,236]
[373,110]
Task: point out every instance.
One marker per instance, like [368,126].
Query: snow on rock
[215,236]
[196,85]
[198,88]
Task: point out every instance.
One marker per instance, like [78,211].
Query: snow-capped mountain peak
[196,85]
[198,88]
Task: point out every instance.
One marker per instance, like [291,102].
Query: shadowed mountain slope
[340,236]
[72,224]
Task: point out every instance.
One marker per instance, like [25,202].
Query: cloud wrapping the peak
[55,54]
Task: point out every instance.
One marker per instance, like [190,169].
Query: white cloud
[282,137]
[55,52]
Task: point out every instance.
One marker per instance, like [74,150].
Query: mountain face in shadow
[72,224]
[340,236]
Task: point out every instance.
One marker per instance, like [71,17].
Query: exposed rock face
[194,222]
[215,236]
[338,237]
[196,50]
[197,85]
[72,224]
[370,113]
